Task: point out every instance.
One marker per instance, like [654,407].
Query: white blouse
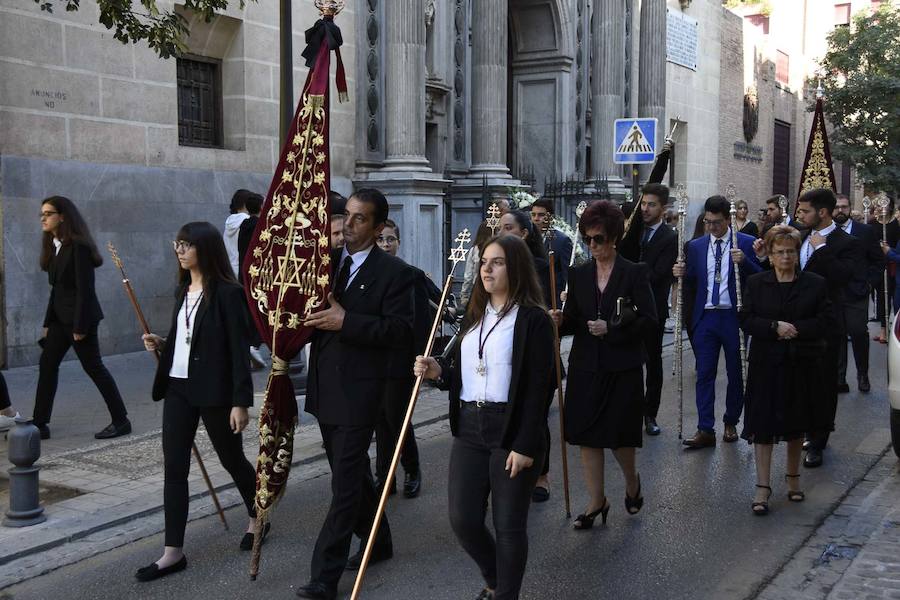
[181,358]
[490,384]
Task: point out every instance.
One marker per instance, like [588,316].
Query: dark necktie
[718,276]
[343,277]
[645,240]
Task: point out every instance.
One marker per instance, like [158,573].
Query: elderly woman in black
[498,379]
[608,310]
[786,314]
[203,373]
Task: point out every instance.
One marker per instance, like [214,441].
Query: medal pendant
[481,369]
[187,339]
[718,278]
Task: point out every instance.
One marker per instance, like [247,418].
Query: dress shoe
[730,436]
[45,431]
[485,594]
[316,589]
[806,445]
[378,555]
[153,571]
[701,439]
[864,386]
[540,494]
[650,426]
[843,388]
[812,459]
[114,430]
[412,484]
[247,540]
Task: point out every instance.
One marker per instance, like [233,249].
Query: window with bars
[200,102]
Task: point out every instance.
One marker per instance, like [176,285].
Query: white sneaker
[7,422]
[257,357]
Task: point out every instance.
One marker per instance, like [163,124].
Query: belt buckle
[480,403]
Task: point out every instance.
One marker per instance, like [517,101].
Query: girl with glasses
[203,373]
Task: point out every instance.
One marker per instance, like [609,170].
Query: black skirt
[605,409]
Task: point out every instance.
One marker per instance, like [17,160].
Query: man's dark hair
[545,203]
[659,190]
[239,200]
[842,197]
[253,204]
[337,204]
[376,199]
[820,198]
[774,200]
[717,205]
[390,223]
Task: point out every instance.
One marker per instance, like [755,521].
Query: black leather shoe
[378,556]
[843,388]
[316,589]
[813,459]
[701,439]
[247,540]
[806,445]
[152,571]
[864,386]
[45,431]
[412,485]
[114,430]
[651,427]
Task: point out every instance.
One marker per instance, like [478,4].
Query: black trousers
[55,345]
[856,316]
[4,394]
[653,344]
[180,421]
[387,431]
[829,400]
[353,502]
[477,471]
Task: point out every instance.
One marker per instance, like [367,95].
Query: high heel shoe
[247,540]
[633,505]
[586,521]
[761,509]
[794,495]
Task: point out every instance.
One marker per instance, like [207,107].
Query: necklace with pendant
[187,317]
[481,367]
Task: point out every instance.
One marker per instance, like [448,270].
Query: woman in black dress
[203,373]
[786,314]
[745,225]
[69,256]
[609,309]
[498,381]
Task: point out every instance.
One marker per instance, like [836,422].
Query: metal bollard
[24,502]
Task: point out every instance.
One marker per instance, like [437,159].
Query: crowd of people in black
[792,285]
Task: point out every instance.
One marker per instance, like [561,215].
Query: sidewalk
[121,480]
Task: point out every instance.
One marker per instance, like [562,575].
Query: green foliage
[763,5]
[861,76]
[163,30]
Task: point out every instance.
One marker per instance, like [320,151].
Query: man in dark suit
[369,319]
[835,255]
[659,250]
[710,267]
[856,305]
[555,240]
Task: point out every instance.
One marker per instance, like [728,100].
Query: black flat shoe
[540,494]
[247,540]
[864,386]
[316,589]
[813,459]
[650,426]
[634,505]
[412,484]
[114,430]
[152,571]
[843,388]
[586,521]
[45,431]
[761,509]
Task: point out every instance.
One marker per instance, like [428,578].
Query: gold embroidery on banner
[818,172]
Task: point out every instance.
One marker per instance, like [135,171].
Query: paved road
[695,538]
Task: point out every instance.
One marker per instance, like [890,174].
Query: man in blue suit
[710,265]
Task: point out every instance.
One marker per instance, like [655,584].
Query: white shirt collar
[57,244]
[848,226]
[357,257]
[826,230]
[726,237]
[490,310]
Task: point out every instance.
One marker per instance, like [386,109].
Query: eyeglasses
[785,253]
[48,213]
[387,239]
[181,246]
[598,239]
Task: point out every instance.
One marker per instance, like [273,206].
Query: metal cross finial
[883,203]
[493,218]
[782,203]
[459,253]
[730,192]
[682,196]
[579,210]
[329,8]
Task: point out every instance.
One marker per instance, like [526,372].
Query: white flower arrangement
[563,227]
[520,199]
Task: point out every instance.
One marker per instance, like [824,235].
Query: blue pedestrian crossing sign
[635,141]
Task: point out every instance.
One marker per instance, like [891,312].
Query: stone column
[404,86]
[490,23]
[608,74]
[652,72]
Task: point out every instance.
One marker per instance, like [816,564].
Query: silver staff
[579,210]
[731,194]
[867,203]
[681,195]
[783,204]
[883,203]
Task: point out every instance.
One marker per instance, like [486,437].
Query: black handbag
[626,313]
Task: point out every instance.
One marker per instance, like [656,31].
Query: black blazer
[245,234]
[424,292]
[348,368]
[562,247]
[659,255]
[859,286]
[530,383]
[218,365]
[837,262]
[73,299]
[750,228]
[623,347]
[807,307]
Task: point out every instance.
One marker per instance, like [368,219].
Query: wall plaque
[682,39]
